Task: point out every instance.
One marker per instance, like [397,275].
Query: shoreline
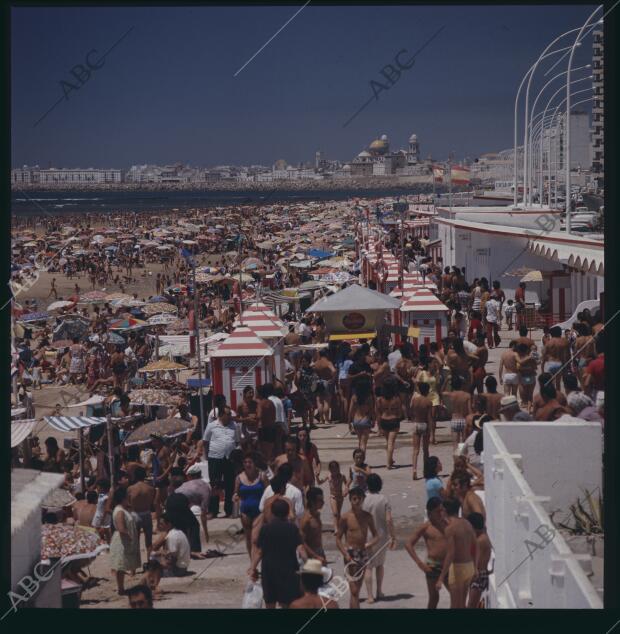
[423,186]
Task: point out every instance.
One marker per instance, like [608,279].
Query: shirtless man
[161,466]
[468,498]
[142,495]
[462,553]
[246,415]
[461,407]
[493,397]
[585,350]
[436,547]
[84,510]
[311,580]
[355,525]
[311,526]
[326,372]
[302,471]
[556,355]
[508,376]
[481,581]
[422,416]
[482,356]
[266,416]
[53,290]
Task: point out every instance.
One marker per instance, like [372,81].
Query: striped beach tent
[20,430]
[271,330]
[72,423]
[427,314]
[242,359]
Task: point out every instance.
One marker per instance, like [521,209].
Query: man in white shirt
[393,358]
[291,492]
[492,307]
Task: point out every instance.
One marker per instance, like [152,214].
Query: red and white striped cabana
[425,311]
[272,331]
[242,359]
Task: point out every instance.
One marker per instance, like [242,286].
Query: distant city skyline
[166,93]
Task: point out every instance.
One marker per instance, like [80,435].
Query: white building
[598,119]
[493,242]
[63,176]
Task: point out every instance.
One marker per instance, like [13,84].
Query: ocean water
[58,202]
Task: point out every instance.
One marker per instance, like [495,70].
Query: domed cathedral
[380,146]
[413,152]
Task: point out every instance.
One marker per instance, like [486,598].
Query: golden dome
[379,146]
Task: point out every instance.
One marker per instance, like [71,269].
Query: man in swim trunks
[354,526]
[460,556]
[460,402]
[480,583]
[436,547]
[556,355]
[311,526]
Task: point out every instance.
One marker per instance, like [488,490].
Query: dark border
[593,621]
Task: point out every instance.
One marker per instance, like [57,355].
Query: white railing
[534,567]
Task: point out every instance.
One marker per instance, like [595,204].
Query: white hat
[508,402]
[312,567]
[195,468]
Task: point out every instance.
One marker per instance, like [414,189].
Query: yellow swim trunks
[461,573]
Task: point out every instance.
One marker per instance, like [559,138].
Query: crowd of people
[261,462]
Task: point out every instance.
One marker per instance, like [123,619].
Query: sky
[170,91]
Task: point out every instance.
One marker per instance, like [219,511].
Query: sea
[33,202]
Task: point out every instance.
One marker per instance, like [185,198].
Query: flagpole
[192,261]
[198,350]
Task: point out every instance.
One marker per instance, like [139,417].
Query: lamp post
[556,127]
[557,92]
[568,108]
[528,76]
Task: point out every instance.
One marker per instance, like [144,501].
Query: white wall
[531,469]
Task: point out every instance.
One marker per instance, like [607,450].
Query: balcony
[534,472]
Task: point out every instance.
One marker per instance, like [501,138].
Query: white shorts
[511,378]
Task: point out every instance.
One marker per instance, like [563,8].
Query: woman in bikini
[361,411]
[337,490]
[389,414]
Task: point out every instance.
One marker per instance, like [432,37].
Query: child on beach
[358,471]
[337,486]
[509,311]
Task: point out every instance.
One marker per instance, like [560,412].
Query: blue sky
[168,93]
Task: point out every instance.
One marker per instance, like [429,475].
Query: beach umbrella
[163,365]
[70,542]
[157,298]
[63,303]
[127,324]
[165,427]
[159,307]
[39,316]
[115,338]
[532,276]
[153,396]
[61,343]
[117,295]
[57,499]
[93,297]
[162,318]
[71,328]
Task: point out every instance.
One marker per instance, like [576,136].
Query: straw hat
[311,567]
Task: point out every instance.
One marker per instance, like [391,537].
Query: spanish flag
[460,175]
[438,173]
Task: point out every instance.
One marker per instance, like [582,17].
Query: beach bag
[253,596]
